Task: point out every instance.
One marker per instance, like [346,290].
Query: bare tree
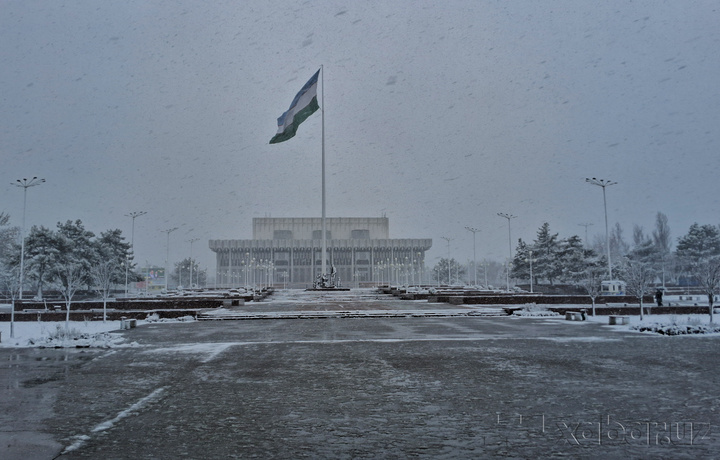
[618,247]
[661,234]
[10,282]
[68,279]
[591,282]
[707,272]
[103,274]
[638,275]
[661,240]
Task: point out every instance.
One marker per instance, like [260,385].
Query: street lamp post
[586,225]
[191,241]
[604,183]
[253,276]
[448,259]
[419,269]
[530,259]
[133,214]
[485,273]
[474,231]
[247,267]
[507,274]
[25,184]
[167,256]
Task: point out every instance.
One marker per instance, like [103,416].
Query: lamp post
[247,267]
[25,184]
[448,259]
[474,231]
[530,259]
[604,183]
[419,270]
[133,214]
[406,269]
[586,225]
[253,274]
[485,272]
[191,241]
[507,274]
[167,256]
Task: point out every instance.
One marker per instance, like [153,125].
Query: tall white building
[288,251]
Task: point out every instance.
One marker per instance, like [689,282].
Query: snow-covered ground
[98,334]
[670,324]
[52,334]
[666,324]
[82,334]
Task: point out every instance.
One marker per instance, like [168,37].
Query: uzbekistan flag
[304,105]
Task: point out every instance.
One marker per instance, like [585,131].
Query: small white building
[613,287]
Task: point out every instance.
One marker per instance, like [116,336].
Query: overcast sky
[437,114]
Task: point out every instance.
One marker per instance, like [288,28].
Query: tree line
[71,258]
[644,264]
[67,258]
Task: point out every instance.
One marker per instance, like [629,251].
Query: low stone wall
[520,299]
[135,304]
[634,309]
[114,315]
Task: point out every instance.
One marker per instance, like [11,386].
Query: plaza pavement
[396,387]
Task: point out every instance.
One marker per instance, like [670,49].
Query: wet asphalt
[412,387]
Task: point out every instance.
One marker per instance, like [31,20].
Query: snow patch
[532,309]
[679,329]
[155,318]
[54,334]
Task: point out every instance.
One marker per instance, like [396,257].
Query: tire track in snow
[80,440]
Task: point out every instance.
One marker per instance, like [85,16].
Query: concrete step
[445,313]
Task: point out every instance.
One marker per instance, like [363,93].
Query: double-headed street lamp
[604,183]
[474,231]
[507,275]
[25,184]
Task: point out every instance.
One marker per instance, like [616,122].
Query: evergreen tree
[41,254]
[696,252]
[75,245]
[8,237]
[448,271]
[701,241]
[573,259]
[112,248]
[545,254]
[644,248]
[181,273]
[521,262]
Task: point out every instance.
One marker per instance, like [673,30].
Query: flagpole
[322,109]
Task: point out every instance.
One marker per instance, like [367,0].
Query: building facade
[287,251]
